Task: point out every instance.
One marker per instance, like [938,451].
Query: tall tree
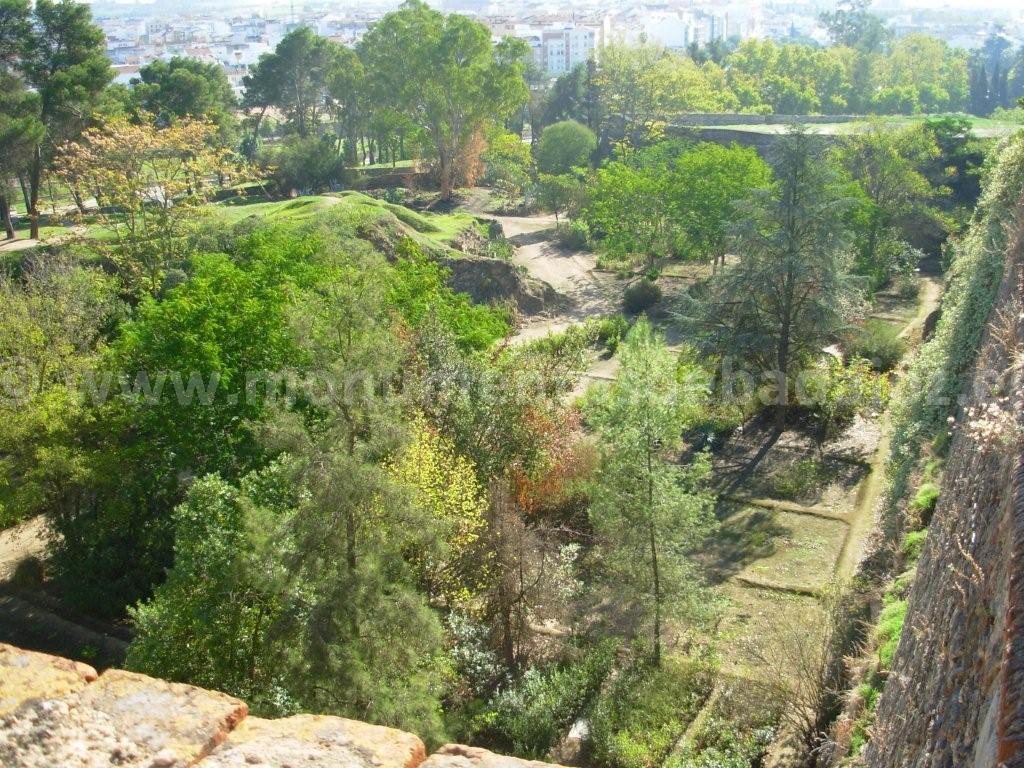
[887,166]
[62,58]
[649,512]
[294,78]
[20,133]
[462,81]
[790,292]
[853,24]
[185,87]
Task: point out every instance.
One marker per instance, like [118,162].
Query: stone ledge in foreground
[56,712]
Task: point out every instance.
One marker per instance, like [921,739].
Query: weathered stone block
[28,675]
[122,719]
[459,756]
[314,741]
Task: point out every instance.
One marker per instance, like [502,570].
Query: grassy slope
[432,231]
[983,127]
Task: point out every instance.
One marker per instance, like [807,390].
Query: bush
[573,235]
[925,499]
[913,543]
[304,164]
[641,296]
[530,716]
[564,146]
[609,331]
[728,749]
[877,342]
[641,716]
[29,573]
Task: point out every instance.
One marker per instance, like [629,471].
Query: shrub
[564,146]
[29,573]
[610,331]
[641,296]
[730,748]
[925,499]
[906,287]
[641,716]
[879,343]
[913,543]
[530,716]
[887,633]
[573,235]
[304,164]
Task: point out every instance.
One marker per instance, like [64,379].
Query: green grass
[791,551]
[399,165]
[758,618]
[983,127]
[426,228]
[889,629]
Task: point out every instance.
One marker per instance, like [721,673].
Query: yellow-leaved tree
[151,185]
[445,488]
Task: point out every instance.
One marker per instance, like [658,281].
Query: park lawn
[397,165]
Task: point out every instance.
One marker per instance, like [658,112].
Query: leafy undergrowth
[641,716]
[528,717]
[734,731]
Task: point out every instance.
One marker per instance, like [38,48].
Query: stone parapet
[60,713]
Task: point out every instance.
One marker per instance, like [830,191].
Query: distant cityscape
[560,36]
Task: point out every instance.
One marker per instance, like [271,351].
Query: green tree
[886,165]
[153,183]
[643,87]
[559,194]
[61,56]
[852,24]
[509,165]
[178,396]
[462,82]
[564,146]
[294,78]
[20,133]
[707,183]
[211,622]
[790,292]
[649,512]
[185,87]
[627,210]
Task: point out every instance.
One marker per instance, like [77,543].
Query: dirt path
[571,273]
[20,542]
[862,518]
[7,246]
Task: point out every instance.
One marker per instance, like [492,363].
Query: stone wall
[955,694]
[56,713]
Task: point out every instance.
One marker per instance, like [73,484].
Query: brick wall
[955,695]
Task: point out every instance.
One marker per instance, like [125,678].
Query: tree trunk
[5,214]
[79,203]
[35,177]
[783,377]
[654,560]
[445,177]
